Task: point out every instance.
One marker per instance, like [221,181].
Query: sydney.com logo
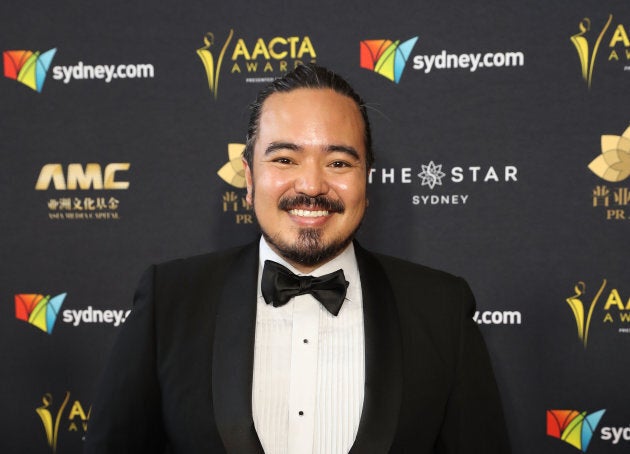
[41,311]
[31,68]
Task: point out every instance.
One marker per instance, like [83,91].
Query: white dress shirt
[309,367]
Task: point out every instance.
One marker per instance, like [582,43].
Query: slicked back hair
[305,76]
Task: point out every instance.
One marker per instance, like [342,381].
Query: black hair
[305,76]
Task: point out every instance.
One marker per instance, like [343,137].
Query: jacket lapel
[383,359]
[233,355]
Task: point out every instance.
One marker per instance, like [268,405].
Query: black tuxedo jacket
[180,376]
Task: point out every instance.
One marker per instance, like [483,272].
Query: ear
[248,181]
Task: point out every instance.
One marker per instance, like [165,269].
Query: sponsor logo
[434,176]
[27,67]
[468,61]
[38,310]
[31,68]
[573,427]
[612,165]
[614,312]
[106,73]
[71,419]
[91,177]
[389,59]
[578,428]
[41,311]
[590,37]
[385,57]
[260,60]
[498,317]
[75,317]
[233,173]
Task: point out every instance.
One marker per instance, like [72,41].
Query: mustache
[320,202]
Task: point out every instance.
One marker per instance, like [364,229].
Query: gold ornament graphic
[233,172]
[614,163]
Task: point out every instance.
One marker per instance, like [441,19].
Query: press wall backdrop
[502,155]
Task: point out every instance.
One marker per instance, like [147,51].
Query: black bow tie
[279,285]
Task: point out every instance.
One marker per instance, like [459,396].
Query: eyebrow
[275,146]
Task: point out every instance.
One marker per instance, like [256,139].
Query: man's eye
[282,160]
[339,164]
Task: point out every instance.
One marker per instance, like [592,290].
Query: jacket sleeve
[473,421]
[126,415]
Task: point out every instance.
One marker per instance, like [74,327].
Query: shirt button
[301,413]
[305,341]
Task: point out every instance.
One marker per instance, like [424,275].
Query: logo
[498,317]
[27,67]
[614,310]
[39,310]
[30,68]
[431,175]
[91,177]
[233,173]
[260,60]
[385,57]
[42,311]
[76,419]
[573,427]
[587,44]
[207,58]
[612,165]
[436,176]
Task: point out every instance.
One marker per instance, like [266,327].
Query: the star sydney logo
[613,164]
[386,57]
[39,310]
[28,67]
[573,427]
[431,175]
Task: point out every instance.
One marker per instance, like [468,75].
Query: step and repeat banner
[502,140]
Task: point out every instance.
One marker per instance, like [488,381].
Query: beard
[309,249]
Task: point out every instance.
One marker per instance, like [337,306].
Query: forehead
[311,115]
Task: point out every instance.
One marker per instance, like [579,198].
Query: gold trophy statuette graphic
[583,324]
[579,40]
[212,71]
[52,431]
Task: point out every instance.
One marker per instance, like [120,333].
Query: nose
[311,180]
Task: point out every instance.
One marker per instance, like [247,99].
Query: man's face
[308,176]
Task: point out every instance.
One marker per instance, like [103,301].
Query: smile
[309,213]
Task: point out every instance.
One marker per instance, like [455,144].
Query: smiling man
[302,342]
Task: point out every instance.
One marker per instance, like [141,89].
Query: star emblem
[431,175]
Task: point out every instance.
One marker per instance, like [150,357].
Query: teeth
[308,213]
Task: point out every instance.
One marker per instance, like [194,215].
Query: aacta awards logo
[614,313]
[573,427]
[591,36]
[39,310]
[261,60]
[386,57]
[233,173]
[612,165]
[27,67]
[74,420]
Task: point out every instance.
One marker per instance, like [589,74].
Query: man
[233,352]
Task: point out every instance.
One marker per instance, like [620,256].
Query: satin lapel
[383,359]
[233,355]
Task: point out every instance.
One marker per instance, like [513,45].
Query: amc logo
[78,177]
